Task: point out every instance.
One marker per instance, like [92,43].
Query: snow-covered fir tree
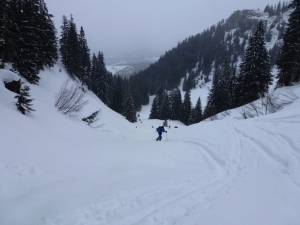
[24,101]
[288,62]
[29,37]
[129,108]
[102,81]
[213,98]
[192,116]
[73,50]
[176,105]
[231,89]
[85,60]
[198,114]
[63,42]
[186,107]
[160,101]
[224,83]
[153,111]
[165,109]
[255,71]
[117,96]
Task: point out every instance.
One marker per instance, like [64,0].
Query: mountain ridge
[200,54]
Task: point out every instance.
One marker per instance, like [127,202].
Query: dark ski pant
[159,137]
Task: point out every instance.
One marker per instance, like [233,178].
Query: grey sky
[124,26]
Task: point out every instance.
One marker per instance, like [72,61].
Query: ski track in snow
[166,202]
[169,201]
[160,203]
[123,178]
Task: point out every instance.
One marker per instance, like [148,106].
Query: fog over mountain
[120,27]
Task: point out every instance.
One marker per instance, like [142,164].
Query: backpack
[160,129]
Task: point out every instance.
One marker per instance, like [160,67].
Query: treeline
[27,37]
[114,91]
[200,54]
[28,41]
[277,9]
[169,105]
[233,87]
[230,90]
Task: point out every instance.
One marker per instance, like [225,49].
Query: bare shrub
[70,99]
[270,103]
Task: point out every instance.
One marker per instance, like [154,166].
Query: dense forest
[236,54]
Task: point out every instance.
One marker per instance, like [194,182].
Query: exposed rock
[14,86]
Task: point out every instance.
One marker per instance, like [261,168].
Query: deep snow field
[56,170]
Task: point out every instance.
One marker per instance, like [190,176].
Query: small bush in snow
[70,99]
[93,118]
[23,101]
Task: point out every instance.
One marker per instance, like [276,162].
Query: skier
[159,130]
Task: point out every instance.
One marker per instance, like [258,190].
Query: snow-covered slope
[56,170]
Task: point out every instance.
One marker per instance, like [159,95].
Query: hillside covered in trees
[236,54]
[199,55]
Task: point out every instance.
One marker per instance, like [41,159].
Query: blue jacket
[160,130]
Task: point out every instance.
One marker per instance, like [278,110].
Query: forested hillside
[197,56]
[236,54]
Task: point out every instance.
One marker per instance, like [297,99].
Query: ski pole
[167,137]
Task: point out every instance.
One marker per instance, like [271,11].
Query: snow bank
[8,76]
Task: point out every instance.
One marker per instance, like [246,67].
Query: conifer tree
[186,107]
[255,71]
[30,40]
[110,83]
[198,111]
[117,97]
[129,108]
[153,111]
[160,101]
[101,80]
[176,105]
[47,36]
[25,42]
[73,49]
[23,100]
[213,97]
[85,61]
[231,89]
[3,30]
[165,109]
[63,41]
[223,87]
[192,117]
[288,61]
[93,75]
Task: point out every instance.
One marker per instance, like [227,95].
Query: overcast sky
[125,26]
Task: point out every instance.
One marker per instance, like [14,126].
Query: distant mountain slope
[199,55]
[127,69]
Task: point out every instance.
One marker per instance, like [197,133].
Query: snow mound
[8,76]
